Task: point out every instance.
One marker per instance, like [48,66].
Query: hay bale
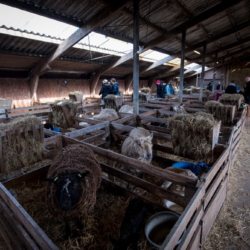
[76,96]
[146,90]
[20,151]
[106,115]
[213,104]
[74,159]
[196,90]
[231,97]
[61,113]
[113,102]
[190,135]
[143,97]
[126,109]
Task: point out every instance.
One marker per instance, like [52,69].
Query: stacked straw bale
[232,99]
[58,115]
[190,135]
[20,151]
[74,159]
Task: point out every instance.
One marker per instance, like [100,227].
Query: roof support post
[33,87]
[214,75]
[136,56]
[203,70]
[183,45]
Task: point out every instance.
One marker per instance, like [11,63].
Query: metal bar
[136,56]
[223,75]
[183,44]
[203,70]
[214,75]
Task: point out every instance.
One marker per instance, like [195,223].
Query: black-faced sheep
[138,145]
[73,179]
[176,188]
[131,225]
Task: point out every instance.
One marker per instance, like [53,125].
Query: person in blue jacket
[169,89]
[115,87]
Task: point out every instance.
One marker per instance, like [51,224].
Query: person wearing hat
[160,89]
[115,87]
[231,88]
[247,90]
[105,90]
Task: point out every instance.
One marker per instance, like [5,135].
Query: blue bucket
[141,111]
[195,168]
[57,129]
[42,118]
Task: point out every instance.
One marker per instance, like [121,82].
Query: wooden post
[136,56]
[183,44]
[33,87]
[214,75]
[203,70]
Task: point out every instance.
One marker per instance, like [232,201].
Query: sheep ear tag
[55,179]
[82,175]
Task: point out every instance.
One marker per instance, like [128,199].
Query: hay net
[58,117]
[190,135]
[21,150]
[146,90]
[106,115]
[75,96]
[74,159]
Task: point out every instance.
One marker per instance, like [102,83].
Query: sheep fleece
[75,159]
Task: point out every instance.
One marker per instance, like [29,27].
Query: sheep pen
[191,135]
[225,113]
[113,102]
[62,113]
[74,159]
[22,145]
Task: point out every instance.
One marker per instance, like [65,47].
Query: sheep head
[143,146]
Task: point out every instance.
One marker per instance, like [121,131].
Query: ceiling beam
[230,15]
[182,9]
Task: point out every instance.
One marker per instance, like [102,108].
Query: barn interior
[54,57]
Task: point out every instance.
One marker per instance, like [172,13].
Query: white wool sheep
[106,115]
[179,109]
[176,188]
[138,145]
[126,109]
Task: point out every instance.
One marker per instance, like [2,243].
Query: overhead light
[197,52]
[217,62]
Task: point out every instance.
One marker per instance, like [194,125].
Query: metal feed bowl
[159,226]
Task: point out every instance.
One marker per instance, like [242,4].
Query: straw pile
[103,221]
[196,90]
[146,90]
[74,159]
[110,101]
[106,115]
[126,109]
[30,147]
[76,96]
[190,135]
[187,91]
[58,115]
[231,227]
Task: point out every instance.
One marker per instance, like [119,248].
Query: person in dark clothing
[115,87]
[218,86]
[247,91]
[105,90]
[231,88]
[210,86]
[160,89]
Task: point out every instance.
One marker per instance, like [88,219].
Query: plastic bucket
[195,168]
[57,129]
[141,111]
[42,118]
[159,226]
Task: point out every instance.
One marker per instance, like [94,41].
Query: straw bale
[190,135]
[143,97]
[75,159]
[231,97]
[213,103]
[146,90]
[187,91]
[196,90]
[110,101]
[31,148]
[106,115]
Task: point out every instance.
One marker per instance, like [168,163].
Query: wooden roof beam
[182,9]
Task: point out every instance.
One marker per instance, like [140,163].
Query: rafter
[182,9]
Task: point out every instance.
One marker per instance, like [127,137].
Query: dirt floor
[231,228]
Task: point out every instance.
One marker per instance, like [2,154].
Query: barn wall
[15,89]
[48,90]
